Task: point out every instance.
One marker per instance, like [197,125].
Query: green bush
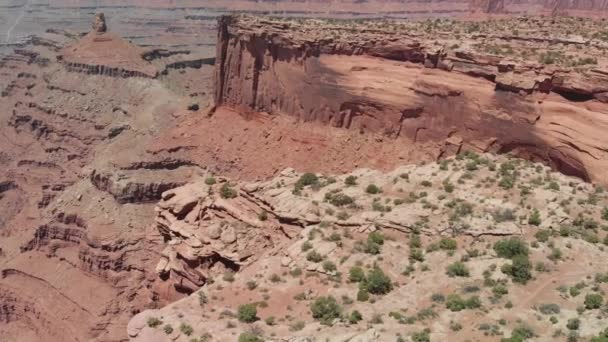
[210,181]
[422,336]
[520,269]
[573,324]
[168,329]
[329,266]
[549,309]
[356,274]
[510,248]
[448,244]
[350,180]
[314,256]
[247,313]
[227,192]
[520,333]
[355,317]
[250,337]
[339,199]
[593,301]
[186,329]
[154,322]
[534,218]
[373,189]
[307,179]
[378,282]
[362,294]
[325,309]
[376,237]
[457,269]
[455,303]
[543,235]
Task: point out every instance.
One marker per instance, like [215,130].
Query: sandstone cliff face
[391,83]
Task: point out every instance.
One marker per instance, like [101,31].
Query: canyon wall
[391,84]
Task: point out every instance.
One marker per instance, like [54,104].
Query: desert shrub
[154,322]
[377,282]
[339,199]
[520,333]
[593,301]
[168,329]
[549,309]
[422,336]
[503,215]
[350,180]
[373,189]
[250,337]
[457,269]
[355,317]
[263,216]
[186,329]
[329,266]
[426,183]
[448,244]
[510,248]
[573,324]
[356,274]
[362,294]
[314,256]
[534,218]
[306,246]
[210,181]
[520,269]
[306,180]
[543,235]
[456,303]
[325,309]
[416,254]
[226,191]
[247,313]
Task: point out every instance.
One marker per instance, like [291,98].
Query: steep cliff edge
[388,80]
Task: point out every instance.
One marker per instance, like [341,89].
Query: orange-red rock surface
[392,83]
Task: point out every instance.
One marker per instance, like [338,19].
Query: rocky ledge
[391,81]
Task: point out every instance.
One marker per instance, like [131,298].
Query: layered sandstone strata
[389,81]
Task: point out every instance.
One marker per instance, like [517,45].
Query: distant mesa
[104,53]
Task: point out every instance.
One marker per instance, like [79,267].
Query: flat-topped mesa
[385,79]
[105,53]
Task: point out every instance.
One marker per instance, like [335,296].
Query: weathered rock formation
[391,83]
[99,23]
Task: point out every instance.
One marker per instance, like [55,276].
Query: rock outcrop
[389,82]
[99,23]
